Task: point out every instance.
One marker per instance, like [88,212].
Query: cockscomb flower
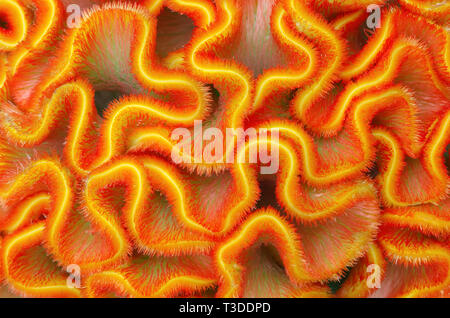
[119,178]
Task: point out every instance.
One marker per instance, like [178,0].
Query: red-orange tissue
[224,148]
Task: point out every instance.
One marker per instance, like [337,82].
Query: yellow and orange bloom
[87,176]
